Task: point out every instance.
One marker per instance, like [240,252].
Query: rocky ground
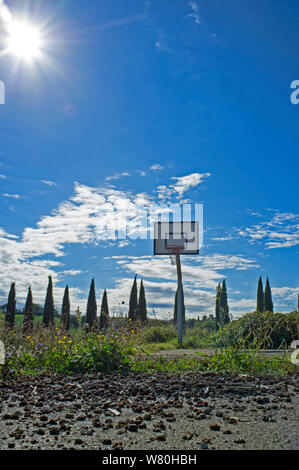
[170,412]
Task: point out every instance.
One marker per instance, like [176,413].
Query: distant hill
[38,310]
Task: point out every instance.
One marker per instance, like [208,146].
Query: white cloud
[182,185]
[71,272]
[156,167]
[282,231]
[142,173]
[86,219]
[223,239]
[49,183]
[5,14]
[3,177]
[12,196]
[200,275]
[287,293]
[194,12]
[118,176]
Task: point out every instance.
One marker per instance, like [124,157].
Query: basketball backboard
[181,235]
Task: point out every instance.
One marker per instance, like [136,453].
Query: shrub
[157,334]
[262,330]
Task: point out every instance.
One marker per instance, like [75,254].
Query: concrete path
[181,353]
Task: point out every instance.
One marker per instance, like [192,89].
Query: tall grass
[55,351]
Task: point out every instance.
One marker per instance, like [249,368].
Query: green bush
[157,334]
[262,330]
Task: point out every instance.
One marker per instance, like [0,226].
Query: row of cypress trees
[264,297]
[137,304]
[49,309]
[137,308]
[221,307]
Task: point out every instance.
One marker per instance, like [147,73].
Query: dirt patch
[171,412]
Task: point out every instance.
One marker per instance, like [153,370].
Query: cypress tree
[223,304]
[48,317]
[91,311]
[133,302]
[28,313]
[260,296]
[268,304]
[142,311]
[104,317]
[217,307]
[66,309]
[11,307]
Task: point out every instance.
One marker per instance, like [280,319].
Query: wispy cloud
[163,46]
[49,183]
[287,293]
[12,196]
[223,239]
[194,12]
[182,185]
[117,176]
[157,167]
[3,177]
[282,231]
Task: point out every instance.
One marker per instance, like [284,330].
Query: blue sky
[135,100]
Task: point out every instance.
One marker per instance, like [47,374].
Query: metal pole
[179,300]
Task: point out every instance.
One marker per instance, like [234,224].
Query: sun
[24,40]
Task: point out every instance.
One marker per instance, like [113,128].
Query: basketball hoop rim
[175,249]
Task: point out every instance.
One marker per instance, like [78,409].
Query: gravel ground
[169,412]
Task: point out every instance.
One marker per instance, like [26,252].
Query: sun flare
[24,40]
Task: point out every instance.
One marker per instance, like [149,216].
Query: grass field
[129,347]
